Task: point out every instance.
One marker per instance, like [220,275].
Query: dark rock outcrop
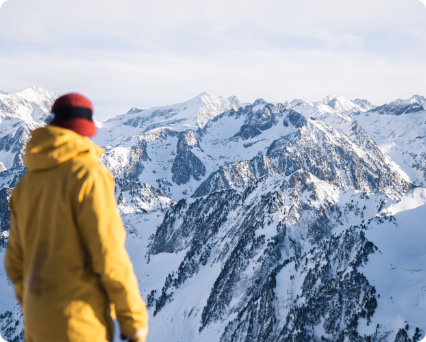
[186,164]
[237,175]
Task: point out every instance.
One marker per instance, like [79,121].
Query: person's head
[74,112]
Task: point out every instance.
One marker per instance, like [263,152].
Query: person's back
[66,252]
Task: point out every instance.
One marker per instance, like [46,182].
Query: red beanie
[75,112]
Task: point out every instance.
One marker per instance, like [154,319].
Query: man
[66,254]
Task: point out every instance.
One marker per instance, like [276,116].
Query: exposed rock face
[14,144]
[284,274]
[333,157]
[217,207]
[226,227]
[8,180]
[127,165]
[4,217]
[138,155]
[237,175]
[134,196]
[186,164]
[260,117]
[4,209]
[362,139]
[296,119]
[399,107]
[333,295]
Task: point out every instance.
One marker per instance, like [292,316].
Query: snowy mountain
[178,162]
[401,137]
[258,222]
[282,259]
[32,104]
[341,103]
[364,104]
[20,113]
[192,114]
[399,107]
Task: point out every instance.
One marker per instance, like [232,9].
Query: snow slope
[398,269]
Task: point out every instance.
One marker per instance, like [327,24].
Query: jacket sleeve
[102,231]
[14,257]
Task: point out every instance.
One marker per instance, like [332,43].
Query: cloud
[423,1]
[146,53]
[2,2]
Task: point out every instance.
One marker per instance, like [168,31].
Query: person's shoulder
[85,168]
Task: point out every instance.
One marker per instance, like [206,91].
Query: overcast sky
[133,53]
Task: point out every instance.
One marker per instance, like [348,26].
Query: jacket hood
[51,146]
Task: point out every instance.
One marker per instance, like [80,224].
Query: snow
[193,114]
[295,102]
[401,137]
[343,104]
[31,105]
[413,199]
[398,270]
[414,99]
[321,111]
[7,158]
[258,107]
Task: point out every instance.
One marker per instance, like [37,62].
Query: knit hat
[75,112]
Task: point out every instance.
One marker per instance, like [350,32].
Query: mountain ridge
[258,222]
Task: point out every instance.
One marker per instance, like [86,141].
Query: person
[66,254]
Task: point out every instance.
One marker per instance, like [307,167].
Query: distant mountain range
[293,221]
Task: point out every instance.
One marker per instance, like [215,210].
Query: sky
[133,53]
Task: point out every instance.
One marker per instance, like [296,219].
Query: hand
[125,338]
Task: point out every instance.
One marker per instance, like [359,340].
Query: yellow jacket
[66,254]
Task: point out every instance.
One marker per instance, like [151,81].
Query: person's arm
[14,256]
[102,230]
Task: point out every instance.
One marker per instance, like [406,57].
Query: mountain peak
[36,93]
[326,99]
[2,92]
[417,99]
[364,104]
[415,104]
[192,114]
[32,104]
[259,102]
[343,104]
[134,110]
[36,88]
[296,102]
[233,98]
